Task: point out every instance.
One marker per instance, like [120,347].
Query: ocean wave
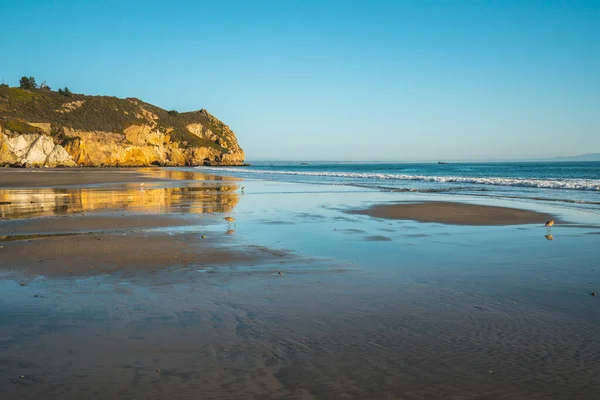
[471,191]
[566,184]
[421,190]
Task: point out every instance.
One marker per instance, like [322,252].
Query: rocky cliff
[39,127]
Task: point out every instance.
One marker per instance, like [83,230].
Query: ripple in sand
[377,238]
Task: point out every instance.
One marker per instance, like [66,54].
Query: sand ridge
[454,213]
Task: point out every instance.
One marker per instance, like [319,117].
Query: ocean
[575,184]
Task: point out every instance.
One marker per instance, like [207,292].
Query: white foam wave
[568,184]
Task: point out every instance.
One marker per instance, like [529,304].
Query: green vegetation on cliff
[103,113]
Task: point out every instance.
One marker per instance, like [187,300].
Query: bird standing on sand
[243,187]
[230,220]
[549,225]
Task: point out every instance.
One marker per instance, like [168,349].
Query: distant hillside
[43,127]
[583,157]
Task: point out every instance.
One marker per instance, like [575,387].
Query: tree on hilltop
[65,92]
[27,83]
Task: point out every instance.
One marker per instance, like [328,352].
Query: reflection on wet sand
[173,174]
[203,197]
[80,177]
[549,236]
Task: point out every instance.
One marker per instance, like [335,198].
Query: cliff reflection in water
[179,175]
[200,198]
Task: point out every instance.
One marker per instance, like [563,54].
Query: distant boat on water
[442,162]
[304,163]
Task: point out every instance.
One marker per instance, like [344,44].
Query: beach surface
[455,213]
[128,283]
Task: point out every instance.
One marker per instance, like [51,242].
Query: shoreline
[64,167]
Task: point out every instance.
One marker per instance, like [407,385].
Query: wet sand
[122,253]
[95,226]
[84,223]
[123,298]
[58,177]
[455,213]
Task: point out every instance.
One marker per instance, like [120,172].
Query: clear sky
[334,80]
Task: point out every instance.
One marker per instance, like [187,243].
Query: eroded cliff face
[141,145]
[66,133]
[34,149]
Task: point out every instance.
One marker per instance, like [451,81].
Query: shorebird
[230,220]
[243,187]
[549,224]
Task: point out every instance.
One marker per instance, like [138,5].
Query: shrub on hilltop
[27,83]
[65,92]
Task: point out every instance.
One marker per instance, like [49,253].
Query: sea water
[574,184]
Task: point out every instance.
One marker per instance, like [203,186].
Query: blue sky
[338,80]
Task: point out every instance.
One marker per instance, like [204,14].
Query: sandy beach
[455,213]
[128,283]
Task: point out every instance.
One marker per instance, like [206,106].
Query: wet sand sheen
[80,224]
[69,177]
[131,253]
[257,342]
[455,213]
